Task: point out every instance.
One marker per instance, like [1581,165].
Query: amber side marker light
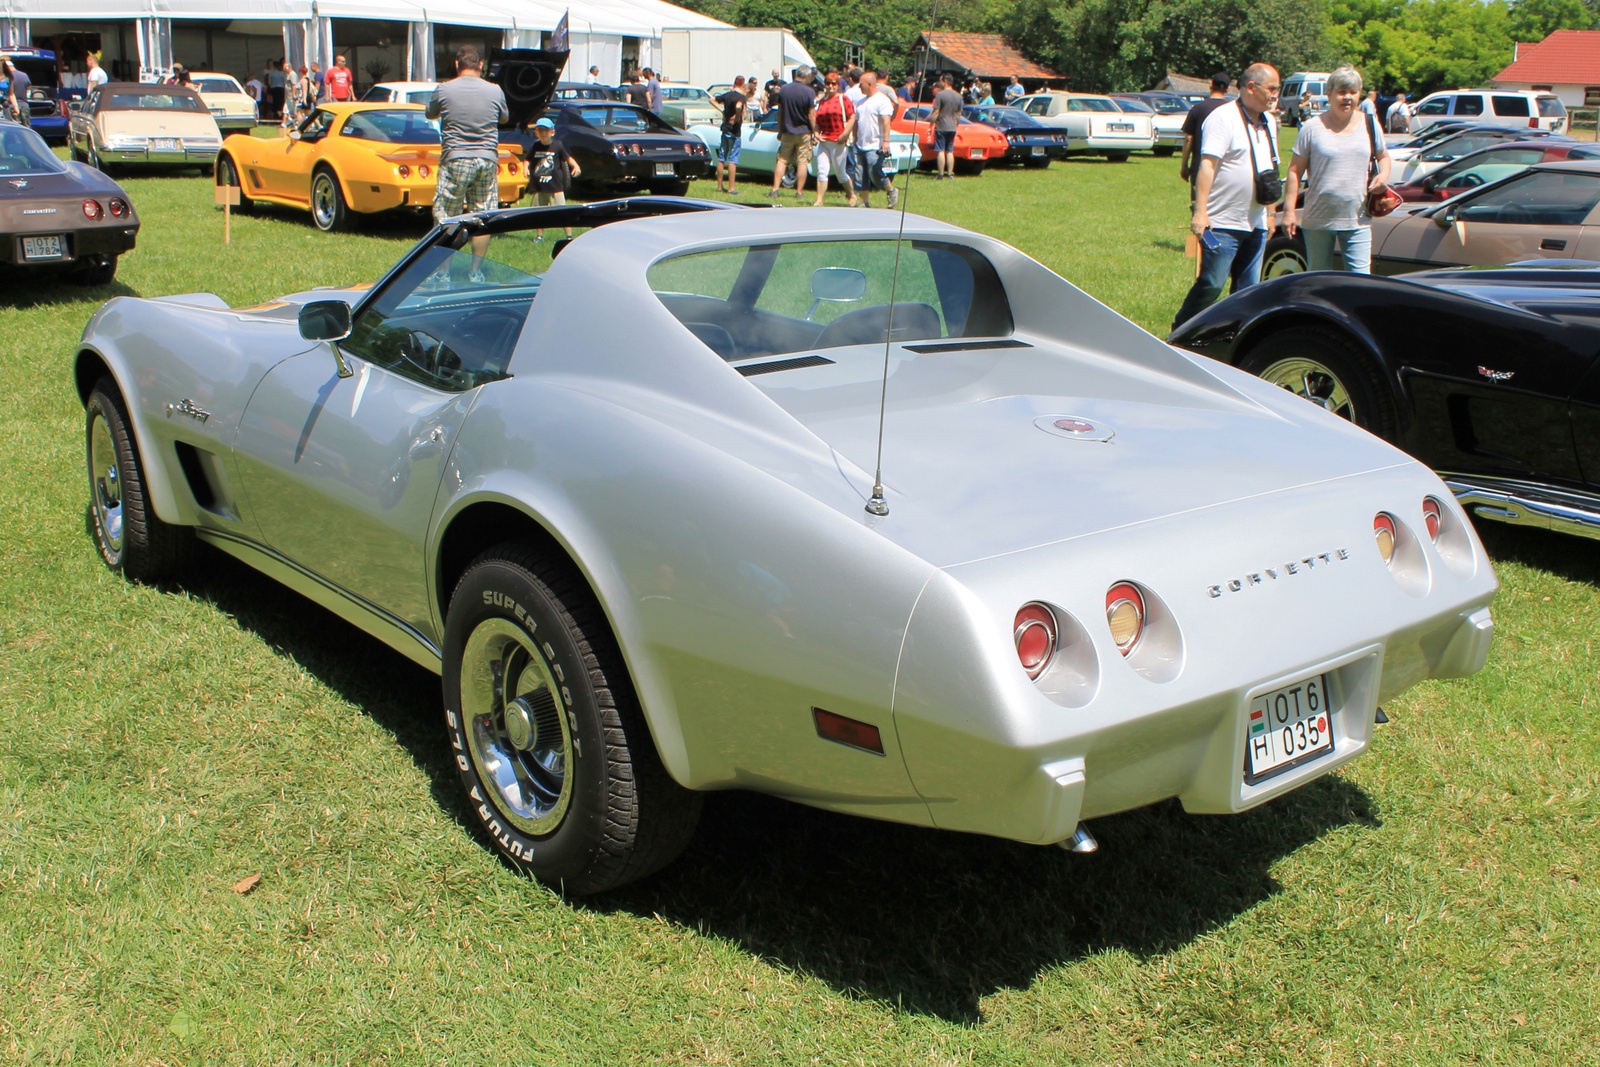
[852,732]
[1125,615]
[1383,530]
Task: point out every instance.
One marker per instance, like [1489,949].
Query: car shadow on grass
[923,920]
[23,290]
[932,922]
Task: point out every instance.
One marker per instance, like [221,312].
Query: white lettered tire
[552,748]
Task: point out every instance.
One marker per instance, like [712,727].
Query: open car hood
[528,76]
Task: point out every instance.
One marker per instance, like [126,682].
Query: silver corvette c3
[628,508]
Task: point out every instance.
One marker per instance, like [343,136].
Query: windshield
[391,127]
[216,85]
[753,302]
[24,152]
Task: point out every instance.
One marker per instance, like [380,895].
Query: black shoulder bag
[1269,183]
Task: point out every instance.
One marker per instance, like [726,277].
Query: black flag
[558,39]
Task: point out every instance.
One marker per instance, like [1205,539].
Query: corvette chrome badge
[1074,428]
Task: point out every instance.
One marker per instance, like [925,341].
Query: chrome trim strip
[1528,504]
[360,613]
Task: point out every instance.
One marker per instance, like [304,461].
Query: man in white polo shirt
[1237,141]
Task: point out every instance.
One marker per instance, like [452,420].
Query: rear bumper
[187,157]
[77,244]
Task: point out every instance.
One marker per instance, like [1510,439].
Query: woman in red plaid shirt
[835,122]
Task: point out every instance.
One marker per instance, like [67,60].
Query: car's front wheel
[550,742]
[228,174]
[328,209]
[128,533]
[1326,368]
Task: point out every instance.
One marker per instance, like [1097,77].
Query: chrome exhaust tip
[1082,842]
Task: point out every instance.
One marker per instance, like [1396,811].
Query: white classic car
[631,509]
[232,107]
[132,122]
[1096,124]
[758,146]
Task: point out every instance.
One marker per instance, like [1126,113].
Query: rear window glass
[768,300]
[24,152]
[215,85]
[157,101]
[1091,104]
[1551,108]
[1515,106]
[391,127]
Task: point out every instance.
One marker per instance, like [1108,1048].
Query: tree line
[1126,45]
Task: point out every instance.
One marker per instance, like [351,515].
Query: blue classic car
[46,99]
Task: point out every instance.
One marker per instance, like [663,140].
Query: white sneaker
[477,278]
[894,198]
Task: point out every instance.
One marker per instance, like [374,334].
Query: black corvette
[619,145]
[1491,376]
[1030,142]
[61,217]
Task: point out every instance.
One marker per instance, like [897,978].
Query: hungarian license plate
[976,153]
[664,170]
[164,144]
[1287,727]
[42,248]
[1036,151]
[1120,127]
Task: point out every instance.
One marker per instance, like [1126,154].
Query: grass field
[1436,902]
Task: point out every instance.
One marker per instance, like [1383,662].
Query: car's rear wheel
[328,209]
[1283,255]
[228,174]
[1328,369]
[550,742]
[129,535]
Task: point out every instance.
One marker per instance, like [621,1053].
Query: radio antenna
[876,504]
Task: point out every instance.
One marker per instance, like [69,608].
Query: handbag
[1269,183]
[1380,202]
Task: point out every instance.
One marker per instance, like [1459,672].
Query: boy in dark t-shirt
[550,169]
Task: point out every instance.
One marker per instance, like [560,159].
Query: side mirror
[327,320]
[294,135]
[1444,218]
[1428,184]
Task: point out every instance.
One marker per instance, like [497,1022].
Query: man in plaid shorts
[472,111]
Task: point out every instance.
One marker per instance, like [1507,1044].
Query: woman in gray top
[1333,156]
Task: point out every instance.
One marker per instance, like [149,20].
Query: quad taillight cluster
[423,170]
[94,212]
[1386,530]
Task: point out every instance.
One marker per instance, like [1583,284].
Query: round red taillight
[119,207]
[1383,529]
[1034,632]
[1430,517]
[92,209]
[423,170]
[511,167]
[1125,615]
[405,171]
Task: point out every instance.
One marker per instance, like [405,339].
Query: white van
[1314,82]
[1491,107]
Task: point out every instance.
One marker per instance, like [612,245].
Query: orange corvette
[976,143]
[348,159]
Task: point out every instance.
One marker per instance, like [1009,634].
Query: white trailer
[713,56]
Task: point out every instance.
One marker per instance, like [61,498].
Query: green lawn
[1436,902]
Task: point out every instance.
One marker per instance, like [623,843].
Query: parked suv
[1314,82]
[1492,107]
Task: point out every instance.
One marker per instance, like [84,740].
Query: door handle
[1550,244]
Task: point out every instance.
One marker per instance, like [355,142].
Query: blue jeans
[1238,257]
[869,165]
[1356,244]
[728,150]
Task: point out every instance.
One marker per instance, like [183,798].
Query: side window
[1468,104]
[1542,197]
[1511,106]
[451,321]
[316,126]
[1437,106]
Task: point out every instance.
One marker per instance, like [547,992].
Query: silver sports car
[627,508]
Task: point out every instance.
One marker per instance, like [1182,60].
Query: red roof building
[1566,63]
[982,55]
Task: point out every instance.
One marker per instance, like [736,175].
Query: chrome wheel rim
[1283,261]
[105,484]
[322,201]
[517,735]
[1314,382]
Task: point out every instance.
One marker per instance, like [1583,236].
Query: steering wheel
[1464,181]
[423,350]
[487,335]
[1514,213]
